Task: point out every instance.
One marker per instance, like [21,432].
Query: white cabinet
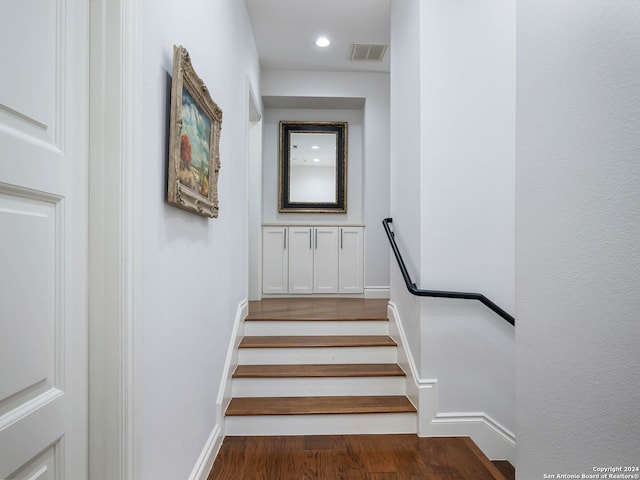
[312,260]
[325,260]
[301,260]
[351,257]
[275,260]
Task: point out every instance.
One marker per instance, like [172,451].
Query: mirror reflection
[313,168]
[312,163]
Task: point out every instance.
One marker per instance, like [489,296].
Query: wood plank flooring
[351,457]
[318,309]
[505,468]
[243,406]
[322,370]
[317,341]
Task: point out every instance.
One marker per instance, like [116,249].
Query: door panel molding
[46,465]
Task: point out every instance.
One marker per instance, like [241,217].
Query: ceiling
[285,33]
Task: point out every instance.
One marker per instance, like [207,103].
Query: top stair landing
[319,309]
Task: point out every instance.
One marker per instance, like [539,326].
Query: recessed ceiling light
[323,42]
[316,159]
[315,147]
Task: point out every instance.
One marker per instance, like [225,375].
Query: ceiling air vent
[368,52]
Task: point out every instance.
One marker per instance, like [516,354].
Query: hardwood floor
[317,341]
[318,309]
[318,405]
[352,457]
[505,468]
[328,370]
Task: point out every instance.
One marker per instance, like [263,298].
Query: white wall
[468,127]
[193,269]
[374,197]
[405,169]
[453,148]
[577,231]
[467,204]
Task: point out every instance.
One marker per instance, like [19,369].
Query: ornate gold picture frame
[194,140]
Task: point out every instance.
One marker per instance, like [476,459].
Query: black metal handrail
[414,290]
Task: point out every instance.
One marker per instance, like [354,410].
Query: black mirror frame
[288,127]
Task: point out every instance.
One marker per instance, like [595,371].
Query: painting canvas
[194,158]
[194,145]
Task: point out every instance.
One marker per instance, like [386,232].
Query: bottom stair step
[319,405]
[326,424]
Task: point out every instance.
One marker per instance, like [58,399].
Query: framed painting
[194,140]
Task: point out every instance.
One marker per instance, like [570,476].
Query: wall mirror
[312,167]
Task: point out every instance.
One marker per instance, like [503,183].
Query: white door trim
[115,132]
[254,193]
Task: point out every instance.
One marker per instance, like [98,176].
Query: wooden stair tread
[328,370]
[245,406]
[317,341]
[318,318]
[302,309]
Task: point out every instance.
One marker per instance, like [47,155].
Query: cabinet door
[325,260]
[351,270]
[275,268]
[300,260]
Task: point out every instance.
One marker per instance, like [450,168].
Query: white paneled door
[43,239]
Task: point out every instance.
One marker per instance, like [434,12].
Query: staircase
[318,367]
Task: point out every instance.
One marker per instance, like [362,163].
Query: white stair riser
[344,424]
[300,387]
[278,328]
[306,356]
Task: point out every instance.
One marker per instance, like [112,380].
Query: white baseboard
[377,292]
[495,441]
[214,442]
[405,359]
[231,362]
[208,455]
